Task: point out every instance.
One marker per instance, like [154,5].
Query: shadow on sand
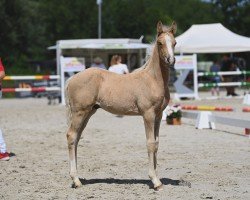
[165,181]
[11,154]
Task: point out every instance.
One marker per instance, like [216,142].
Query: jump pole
[223,73]
[33,77]
[246,109]
[207,108]
[36,89]
[207,85]
[206,119]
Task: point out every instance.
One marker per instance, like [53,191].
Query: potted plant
[173,115]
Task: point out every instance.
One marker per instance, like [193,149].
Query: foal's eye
[159,43]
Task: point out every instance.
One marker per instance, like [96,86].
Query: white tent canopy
[111,43]
[211,38]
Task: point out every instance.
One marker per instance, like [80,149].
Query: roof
[110,43]
[211,38]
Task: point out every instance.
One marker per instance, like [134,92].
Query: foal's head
[166,42]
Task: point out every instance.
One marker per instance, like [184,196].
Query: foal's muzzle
[170,60]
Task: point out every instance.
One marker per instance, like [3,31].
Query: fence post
[246,99]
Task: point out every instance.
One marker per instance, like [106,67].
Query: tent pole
[195,76]
[58,55]
[91,57]
[128,60]
[62,75]
[141,62]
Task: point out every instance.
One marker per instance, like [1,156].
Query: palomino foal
[143,92]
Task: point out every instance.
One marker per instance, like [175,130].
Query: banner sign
[184,62]
[72,64]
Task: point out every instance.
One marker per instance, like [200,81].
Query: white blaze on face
[170,49]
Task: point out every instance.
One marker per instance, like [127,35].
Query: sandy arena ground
[112,156]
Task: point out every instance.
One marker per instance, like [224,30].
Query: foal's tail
[67,101]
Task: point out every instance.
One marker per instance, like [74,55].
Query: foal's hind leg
[78,122]
[151,123]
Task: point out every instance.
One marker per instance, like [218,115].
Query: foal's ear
[173,27]
[159,28]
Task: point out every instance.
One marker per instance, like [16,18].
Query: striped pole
[37,89]
[246,109]
[209,119]
[36,77]
[223,73]
[207,108]
[207,85]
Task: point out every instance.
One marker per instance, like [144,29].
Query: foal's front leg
[157,128]
[152,145]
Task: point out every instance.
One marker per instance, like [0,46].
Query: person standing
[215,68]
[4,155]
[228,65]
[116,65]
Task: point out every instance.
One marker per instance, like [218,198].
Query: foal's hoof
[77,184]
[159,188]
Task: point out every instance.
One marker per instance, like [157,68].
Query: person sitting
[116,66]
[98,63]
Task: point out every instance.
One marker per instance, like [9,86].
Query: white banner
[72,64]
[184,62]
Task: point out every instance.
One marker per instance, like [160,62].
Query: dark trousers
[230,89]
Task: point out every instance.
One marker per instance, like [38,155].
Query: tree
[30,26]
[234,14]
[21,34]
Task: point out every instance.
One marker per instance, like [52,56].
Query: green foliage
[22,33]
[29,26]
[173,112]
[234,14]
[175,115]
